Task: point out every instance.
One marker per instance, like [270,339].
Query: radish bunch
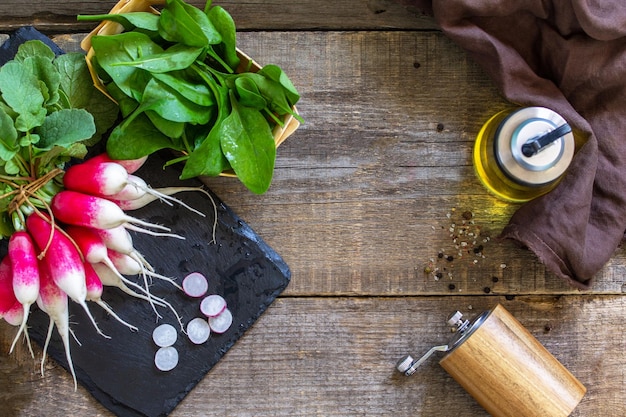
[80,245]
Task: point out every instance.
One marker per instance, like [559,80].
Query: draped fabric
[569,56]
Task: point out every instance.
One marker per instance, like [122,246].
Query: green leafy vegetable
[49,112]
[177,88]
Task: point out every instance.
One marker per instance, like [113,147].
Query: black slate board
[120,372]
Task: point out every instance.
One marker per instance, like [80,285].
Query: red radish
[213,305]
[62,259]
[91,246]
[53,301]
[7,296]
[94,293]
[24,263]
[80,209]
[111,279]
[103,179]
[129,266]
[119,239]
[222,322]
[126,203]
[134,189]
[14,316]
[89,243]
[11,310]
[166,358]
[195,285]
[198,330]
[131,165]
[164,335]
[110,180]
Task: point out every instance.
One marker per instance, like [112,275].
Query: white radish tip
[212,305]
[164,335]
[198,330]
[221,323]
[166,358]
[195,285]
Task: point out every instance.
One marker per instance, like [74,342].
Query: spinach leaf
[275,73]
[195,92]
[177,57]
[269,89]
[248,144]
[135,138]
[225,25]
[249,94]
[186,24]
[170,105]
[171,129]
[207,157]
[132,20]
[124,47]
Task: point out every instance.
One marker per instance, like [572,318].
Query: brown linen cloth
[570,56]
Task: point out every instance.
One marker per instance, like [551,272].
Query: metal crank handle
[408,366]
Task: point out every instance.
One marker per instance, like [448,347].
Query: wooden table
[365,196]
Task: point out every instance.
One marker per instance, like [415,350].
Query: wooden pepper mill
[504,367]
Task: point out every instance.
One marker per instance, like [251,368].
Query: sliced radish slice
[164,335]
[221,323]
[198,330]
[166,358]
[195,285]
[213,305]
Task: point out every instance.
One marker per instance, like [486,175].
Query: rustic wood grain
[252,15]
[336,356]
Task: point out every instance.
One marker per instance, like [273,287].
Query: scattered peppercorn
[468,244]
[451,286]
[509,297]
[416,65]
[440,127]
[547,328]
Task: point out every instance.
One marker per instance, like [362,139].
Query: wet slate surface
[119,372]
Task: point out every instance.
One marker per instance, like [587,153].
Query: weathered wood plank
[60,17]
[336,357]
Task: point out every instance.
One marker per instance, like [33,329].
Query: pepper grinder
[507,371]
